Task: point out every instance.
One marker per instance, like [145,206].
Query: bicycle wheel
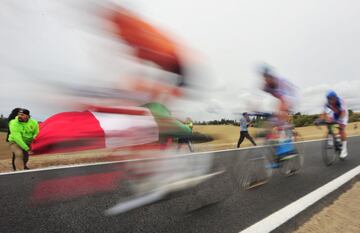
[329,151]
[255,169]
[298,161]
[292,164]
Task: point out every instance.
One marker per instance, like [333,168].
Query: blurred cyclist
[335,111]
[285,92]
[281,89]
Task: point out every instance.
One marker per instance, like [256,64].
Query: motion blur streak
[108,79]
[85,53]
[129,180]
[108,118]
[73,187]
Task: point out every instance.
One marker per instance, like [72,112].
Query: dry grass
[342,216]
[225,137]
[4,147]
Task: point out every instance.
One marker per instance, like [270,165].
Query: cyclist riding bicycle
[285,92]
[335,111]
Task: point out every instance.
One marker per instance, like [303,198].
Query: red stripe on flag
[68,132]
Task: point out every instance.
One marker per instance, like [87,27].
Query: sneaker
[343,153]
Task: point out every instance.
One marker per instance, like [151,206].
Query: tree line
[298,119]
[3,123]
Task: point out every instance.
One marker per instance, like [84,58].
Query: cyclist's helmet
[266,70]
[330,94]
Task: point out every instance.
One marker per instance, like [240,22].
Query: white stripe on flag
[127,130]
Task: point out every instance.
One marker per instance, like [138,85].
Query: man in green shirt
[23,130]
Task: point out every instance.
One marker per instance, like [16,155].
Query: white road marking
[278,218]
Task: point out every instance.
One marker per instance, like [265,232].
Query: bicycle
[332,145]
[278,152]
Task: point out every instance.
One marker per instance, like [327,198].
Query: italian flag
[105,127]
[96,129]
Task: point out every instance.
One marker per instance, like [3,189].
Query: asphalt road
[217,205]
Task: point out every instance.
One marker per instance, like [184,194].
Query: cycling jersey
[284,90]
[334,112]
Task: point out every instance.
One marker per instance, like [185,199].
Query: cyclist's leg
[330,116]
[329,135]
[342,128]
[342,132]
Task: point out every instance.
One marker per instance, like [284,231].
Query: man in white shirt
[244,123]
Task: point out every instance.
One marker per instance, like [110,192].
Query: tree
[3,124]
[351,112]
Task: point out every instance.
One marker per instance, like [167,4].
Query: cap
[24,111]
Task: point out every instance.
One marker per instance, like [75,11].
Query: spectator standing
[23,130]
[244,124]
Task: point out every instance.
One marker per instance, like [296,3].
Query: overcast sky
[312,43]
